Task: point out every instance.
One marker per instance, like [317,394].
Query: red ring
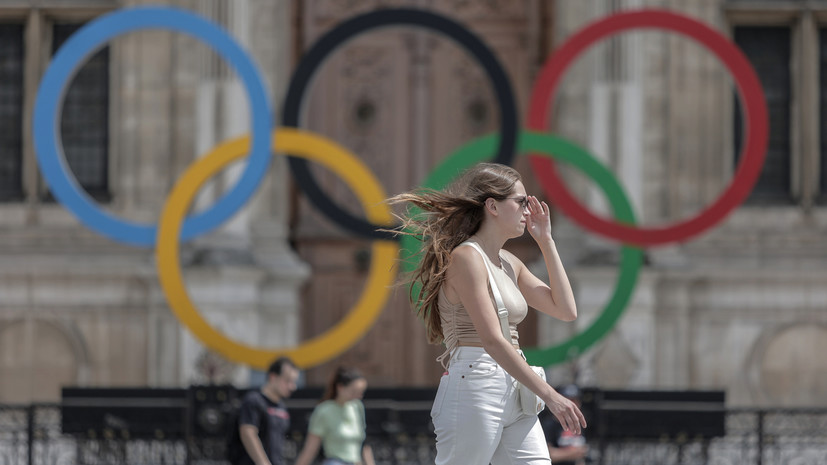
[756,127]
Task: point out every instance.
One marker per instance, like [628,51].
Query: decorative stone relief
[329,9]
[361,82]
[482,9]
[212,368]
[786,370]
[364,76]
[475,100]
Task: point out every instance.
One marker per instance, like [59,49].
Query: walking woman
[476,413]
[337,424]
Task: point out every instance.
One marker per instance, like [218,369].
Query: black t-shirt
[256,409]
[557,437]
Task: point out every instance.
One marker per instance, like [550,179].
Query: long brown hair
[448,218]
[343,376]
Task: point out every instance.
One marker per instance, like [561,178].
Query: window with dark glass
[11,112]
[84,123]
[769,51]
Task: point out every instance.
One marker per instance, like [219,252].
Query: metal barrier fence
[30,435]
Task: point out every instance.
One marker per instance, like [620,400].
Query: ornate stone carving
[211,368]
[367,104]
[788,373]
[482,9]
[475,100]
[364,78]
[332,9]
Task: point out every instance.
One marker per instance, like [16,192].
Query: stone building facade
[81,309]
[740,307]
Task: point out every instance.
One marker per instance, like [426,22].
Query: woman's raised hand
[538,220]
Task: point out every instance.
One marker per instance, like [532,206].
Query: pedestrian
[337,424]
[263,418]
[476,412]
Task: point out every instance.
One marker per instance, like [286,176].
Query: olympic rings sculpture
[175,226]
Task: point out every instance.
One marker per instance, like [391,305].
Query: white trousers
[477,416]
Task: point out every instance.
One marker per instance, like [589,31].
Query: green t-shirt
[341,427]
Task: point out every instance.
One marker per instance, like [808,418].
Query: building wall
[739,307]
[80,309]
[427,97]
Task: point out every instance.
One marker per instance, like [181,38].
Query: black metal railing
[31,435]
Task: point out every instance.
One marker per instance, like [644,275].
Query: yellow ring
[382,270]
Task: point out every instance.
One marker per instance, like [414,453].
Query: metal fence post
[761,437]
[188,439]
[30,433]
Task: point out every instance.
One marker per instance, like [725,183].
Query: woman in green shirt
[337,424]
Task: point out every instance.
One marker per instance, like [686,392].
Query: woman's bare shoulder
[465,259]
[466,254]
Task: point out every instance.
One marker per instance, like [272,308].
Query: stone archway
[785,371]
[37,358]
[790,374]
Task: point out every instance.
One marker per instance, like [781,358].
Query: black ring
[336,37]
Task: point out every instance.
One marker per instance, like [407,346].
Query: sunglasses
[521,201]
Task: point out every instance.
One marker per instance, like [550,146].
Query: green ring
[480,150]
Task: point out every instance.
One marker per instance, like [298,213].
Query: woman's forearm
[310,450]
[562,296]
[367,455]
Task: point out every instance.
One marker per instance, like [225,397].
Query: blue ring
[82,44]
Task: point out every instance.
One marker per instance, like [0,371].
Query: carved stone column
[244,276]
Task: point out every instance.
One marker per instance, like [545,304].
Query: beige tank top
[457,327]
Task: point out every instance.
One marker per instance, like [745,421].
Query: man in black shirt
[263,419]
[564,447]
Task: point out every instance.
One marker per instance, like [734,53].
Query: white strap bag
[530,403]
